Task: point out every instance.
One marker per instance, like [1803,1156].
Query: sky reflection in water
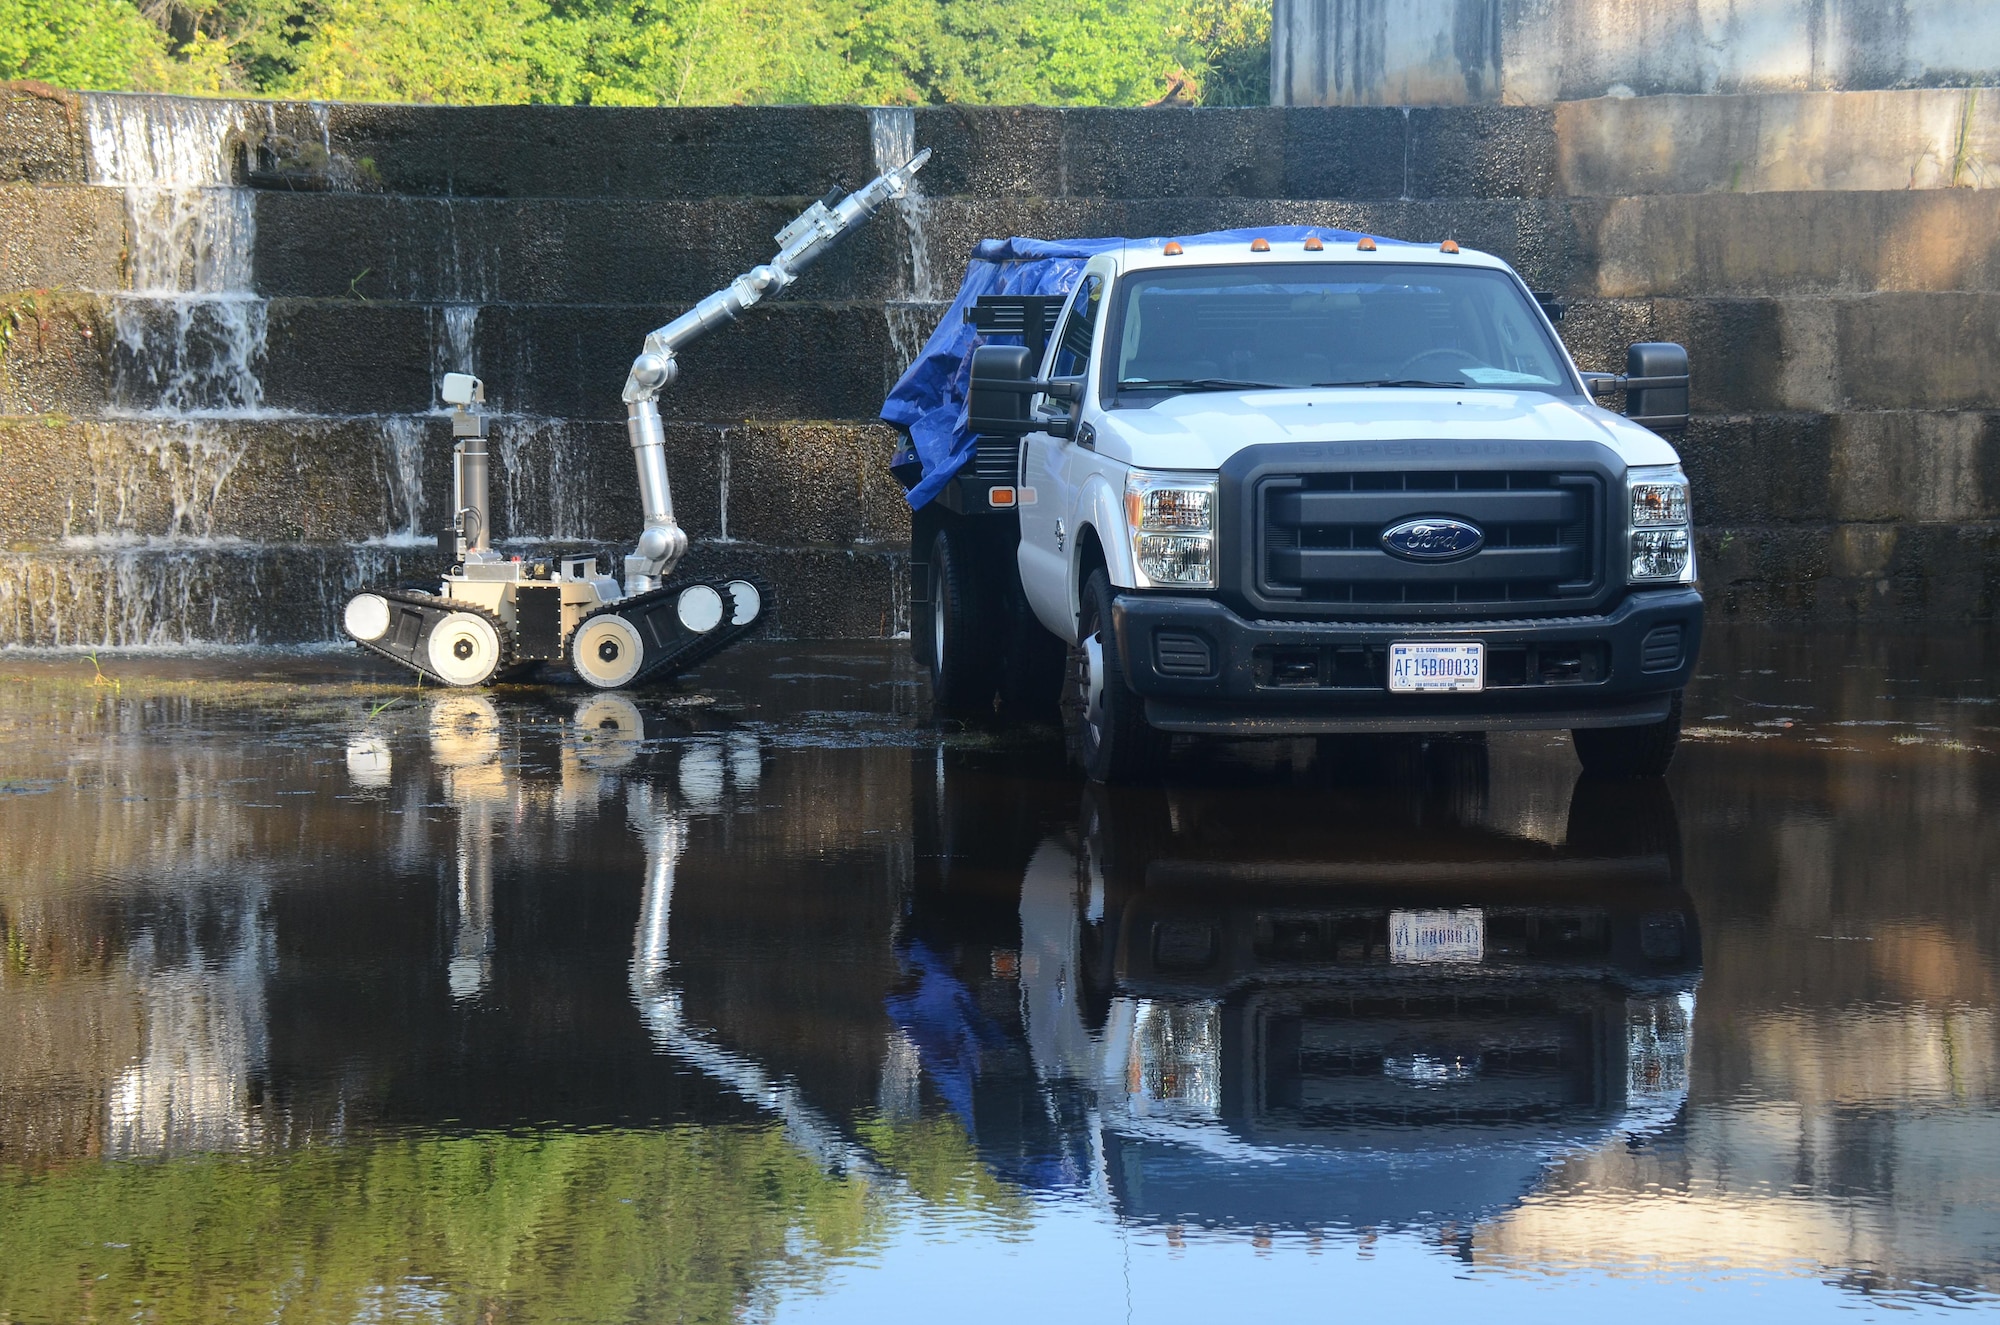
[766,1000]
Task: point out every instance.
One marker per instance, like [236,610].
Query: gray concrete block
[815,484]
[1784,244]
[408,149]
[1854,573]
[991,151]
[55,358]
[1779,142]
[191,594]
[41,138]
[1482,152]
[60,236]
[1760,468]
[1915,350]
[572,151]
[1346,152]
[793,360]
[542,250]
[261,480]
[1916,467]
[1174,152]
[327,356]
[1918,350]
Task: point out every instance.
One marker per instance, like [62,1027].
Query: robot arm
[813,232]
[800,244]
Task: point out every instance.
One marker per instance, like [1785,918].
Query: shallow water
[757,997]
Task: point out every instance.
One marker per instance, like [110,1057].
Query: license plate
[1417,666]
[1437,936]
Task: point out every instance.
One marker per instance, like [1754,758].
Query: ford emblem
[1432,538]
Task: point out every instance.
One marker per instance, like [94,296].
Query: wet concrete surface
[757,996]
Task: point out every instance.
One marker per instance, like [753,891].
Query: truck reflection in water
[1294,1007]
[1263,1004]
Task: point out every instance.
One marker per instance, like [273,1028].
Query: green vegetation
[693,1224]
[652,52]
[683,1223]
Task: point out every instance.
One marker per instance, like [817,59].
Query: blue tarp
[928,401]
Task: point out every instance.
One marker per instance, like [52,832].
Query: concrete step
[1882,573]
[797,359]
[690,152]
[399,249]
[250,593]
[324,480]
[94,354]
[1897,350]
[61,235]
[1779,142]
[1910,466]
[1605,147]
[41,138]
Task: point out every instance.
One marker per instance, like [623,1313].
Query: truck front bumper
[1202,668]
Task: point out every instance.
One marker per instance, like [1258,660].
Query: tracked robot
[494,616]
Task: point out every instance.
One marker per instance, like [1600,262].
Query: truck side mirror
[997,402]
[1655,383]
[1656,386]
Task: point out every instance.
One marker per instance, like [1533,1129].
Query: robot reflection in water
[492,616]
[1366,1022]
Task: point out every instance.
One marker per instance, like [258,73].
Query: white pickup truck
[1284,487]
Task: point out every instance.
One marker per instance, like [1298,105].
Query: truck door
[1054,469]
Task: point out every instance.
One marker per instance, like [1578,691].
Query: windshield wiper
[1202,384]
[1398,381]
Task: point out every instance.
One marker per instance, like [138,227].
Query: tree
[76,43]
[651,52]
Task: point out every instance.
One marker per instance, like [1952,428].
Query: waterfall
[911,312]
[190,330]
[452,345]
[892,138]
[403,444]
[546,481]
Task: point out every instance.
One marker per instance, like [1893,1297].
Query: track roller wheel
[465,649]
[606,651]
[367,617]
[747,601]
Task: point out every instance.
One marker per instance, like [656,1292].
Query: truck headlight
[1171,520]
[1660,526]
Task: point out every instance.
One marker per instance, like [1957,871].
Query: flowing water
[150,551]
[759,998]
[190,329]
[913,311]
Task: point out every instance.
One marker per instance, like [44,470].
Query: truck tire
[963,652]
[1630,752]
[1104,719]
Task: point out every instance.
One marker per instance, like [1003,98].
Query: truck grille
[1319,538]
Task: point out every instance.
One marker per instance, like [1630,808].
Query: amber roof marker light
[1313,245]
[1172,250]
[1449,246]
[1260,245]
[1364,245]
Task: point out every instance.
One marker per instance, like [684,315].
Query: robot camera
[462,389]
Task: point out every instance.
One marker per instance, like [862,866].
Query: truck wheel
[1630,752]
[962,648]
[1104,720]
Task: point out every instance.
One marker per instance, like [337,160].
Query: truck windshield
[1351,324]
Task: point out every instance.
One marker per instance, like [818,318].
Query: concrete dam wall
[224,322]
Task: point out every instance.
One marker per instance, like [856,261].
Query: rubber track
[698,648]
[436,609]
